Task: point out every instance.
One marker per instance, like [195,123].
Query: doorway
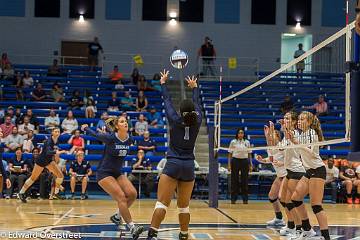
[74,52]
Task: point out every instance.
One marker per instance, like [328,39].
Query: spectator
[142,83]
[93,51]
[51,121]
[154,118]
[18,171]
[300,66]
[143,163]
[141,125]
[26,127]
[4,60]
[332,175]
[155,82]
[114,103]
[19,87]
[141,102]
[80,170]
[7,126]
[8,72]
[54,69]
[147,145]
[10,112]
[33,119]
[130,125]
[127,102]
[69,124]
[357,185]
[57,93]
[38,94]
[14,140]
[27,80]
[135,76]
[19,118]
[321,107]
[116,76]
[287,105]
[75,101]
[101,125]
[28,144]
[89,103]
[208,54]
[76,141]
[348,177]
[87,96]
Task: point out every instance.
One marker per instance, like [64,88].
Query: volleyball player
[179,172]
[109,173]
[313,181]
[46,160]
[276,158]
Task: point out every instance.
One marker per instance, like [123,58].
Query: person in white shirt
[69,124]
[52,121]
[314,180]
[26,127]
[300,66]
[239,159]
[28,81]
[332,175]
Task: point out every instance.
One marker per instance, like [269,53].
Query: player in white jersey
[314,180]
[276,158]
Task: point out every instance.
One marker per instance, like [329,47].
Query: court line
[223,213]
[59,220]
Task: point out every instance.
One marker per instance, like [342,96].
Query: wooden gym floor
[90,218]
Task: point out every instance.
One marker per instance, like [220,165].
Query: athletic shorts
[319,172]
[181,170]
[101,174]
[294,175]
[43,162]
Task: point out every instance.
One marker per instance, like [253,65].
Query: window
[299,11]
[46,8]
[191,11]
[154,10]
[263,12]
[82,7]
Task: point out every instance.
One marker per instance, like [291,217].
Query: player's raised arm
[169,107]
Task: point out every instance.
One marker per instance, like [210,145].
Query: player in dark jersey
[5,176]
[46,160]
[179,171]
[109,172]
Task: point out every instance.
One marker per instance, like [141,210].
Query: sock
[22,190]
[153,232]
[298,227]
[306,225]
[278,215]
[56,191]
[130,225]
[325,234]
[291,225]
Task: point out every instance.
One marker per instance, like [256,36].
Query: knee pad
[59,181]
[297,203]
[273,200]
[184,210]
[290,206]
[283,204]
[317,208]
[160,205]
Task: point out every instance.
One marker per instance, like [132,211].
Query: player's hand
[8,183]
[84,126]
[164,76]
[191,81]
[357,23]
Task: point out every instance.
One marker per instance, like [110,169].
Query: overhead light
[81,18]
[173,22]
[172,15]
[298,25]
[289,34]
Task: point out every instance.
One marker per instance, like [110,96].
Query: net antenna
[345,32]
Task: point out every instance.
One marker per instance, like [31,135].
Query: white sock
[131,225]
[22,190]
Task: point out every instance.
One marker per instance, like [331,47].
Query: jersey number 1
[187,133]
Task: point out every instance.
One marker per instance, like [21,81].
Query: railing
[48,59]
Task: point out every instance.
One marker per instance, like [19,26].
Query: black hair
[237,133]
[188,113]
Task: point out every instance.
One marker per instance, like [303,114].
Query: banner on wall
[232,63]
[138,60]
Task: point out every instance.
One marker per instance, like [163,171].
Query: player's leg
[34,175]
[56,171]
[184,190]
[274,200]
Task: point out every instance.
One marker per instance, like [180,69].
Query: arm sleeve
[169,107]
[100,136]
[196,100]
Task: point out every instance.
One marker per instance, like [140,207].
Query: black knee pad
[290,206]
[297,203]
[273,200]
[283,204]
[317,208]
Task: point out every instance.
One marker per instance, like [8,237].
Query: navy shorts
[319,172]
[101,174]
[43,162]
[181,170]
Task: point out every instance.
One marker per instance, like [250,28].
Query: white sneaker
[276,222]
[285,231]
[306,235]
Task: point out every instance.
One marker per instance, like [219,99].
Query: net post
[213,172]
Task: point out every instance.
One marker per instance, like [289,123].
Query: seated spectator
[90,109]
[57,93]
[142,84]
[76,141]
[332,175]
[114,103]
[130,125]
[39,94]
[127,102]
[10,112]
[321,107]
[142,163]
[155,82]
[33,119]
[52,121]
[4,60]
[287,105]
[28,144]
[154,118]
[80,170]
[135,76]
[141,125]
[19,118]
[116,76]
[69,124]
[75,101]
[141,102]
[7,126]
[26,127]
[348,177]
[19,87]
[147,145]
[101,125]
[357,185]
[18,171]
[27,80]
[54,69]
[8,72]
[14,140]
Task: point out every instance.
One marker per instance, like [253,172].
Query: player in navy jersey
[109,172]
[179,171]
[4,175]
[46,160]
